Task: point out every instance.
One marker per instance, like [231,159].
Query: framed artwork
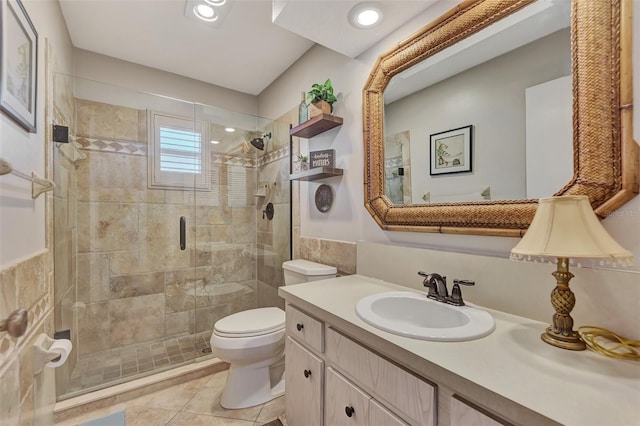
[451,151]
[18,64]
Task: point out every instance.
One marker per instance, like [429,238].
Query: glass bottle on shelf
[303,109]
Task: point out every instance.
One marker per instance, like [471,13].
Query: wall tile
[107,226]
[244,225]
[93,327]
[134,285]
[9,396]
[93,277]
[234,262]
[136,319]
[341,254]
[268,296]
[180,323]
[31,280]
[8,291]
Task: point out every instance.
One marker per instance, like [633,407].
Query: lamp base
[571,342]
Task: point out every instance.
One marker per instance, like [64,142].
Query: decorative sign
[324,158]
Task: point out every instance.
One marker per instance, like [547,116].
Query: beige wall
[348,221]
[93,66]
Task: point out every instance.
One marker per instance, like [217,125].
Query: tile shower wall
[273,235]
[134,283]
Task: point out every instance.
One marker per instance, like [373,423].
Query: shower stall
[159,228]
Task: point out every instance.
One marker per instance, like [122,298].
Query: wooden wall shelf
[316,173]
[316,125]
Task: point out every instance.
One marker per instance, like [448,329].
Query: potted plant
[304,162]
[322,98]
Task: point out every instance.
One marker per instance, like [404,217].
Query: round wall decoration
[324,198]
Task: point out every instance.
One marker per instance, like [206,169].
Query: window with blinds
[178,154]
[180,151]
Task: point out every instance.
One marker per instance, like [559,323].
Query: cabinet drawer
[380,416]
[303,384]
[304,328]
[345,404]
[396,388]
[463,414]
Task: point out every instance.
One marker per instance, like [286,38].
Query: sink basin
[413,315]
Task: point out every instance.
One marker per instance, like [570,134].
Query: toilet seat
[250,323]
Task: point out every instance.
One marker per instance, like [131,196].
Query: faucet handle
[456,293]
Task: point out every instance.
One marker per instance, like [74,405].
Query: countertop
[569,387]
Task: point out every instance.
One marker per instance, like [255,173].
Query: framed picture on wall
[18,64]
[451,151]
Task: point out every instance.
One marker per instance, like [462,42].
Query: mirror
[603,154]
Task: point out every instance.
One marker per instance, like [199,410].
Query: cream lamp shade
[567,227]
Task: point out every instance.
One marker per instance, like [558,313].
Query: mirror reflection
[510,85]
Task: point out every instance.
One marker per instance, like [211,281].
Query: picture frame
[451,151]
[18,64]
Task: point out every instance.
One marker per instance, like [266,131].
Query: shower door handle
[183,232]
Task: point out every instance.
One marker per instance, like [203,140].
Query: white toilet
[252,342]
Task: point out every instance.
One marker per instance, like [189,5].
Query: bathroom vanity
[342,371]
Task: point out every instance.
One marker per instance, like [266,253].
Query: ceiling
[254,45]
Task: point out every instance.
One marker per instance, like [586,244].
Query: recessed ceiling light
[229,129]
[209,12]
[215,142]
[365,15]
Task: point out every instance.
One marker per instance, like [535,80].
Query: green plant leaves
[322,92]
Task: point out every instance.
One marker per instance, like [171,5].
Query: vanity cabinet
[304,376]
[332,380]
[463,414]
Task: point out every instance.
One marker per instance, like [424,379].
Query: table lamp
[566,228]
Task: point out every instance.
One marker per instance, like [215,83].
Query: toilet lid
[253,322]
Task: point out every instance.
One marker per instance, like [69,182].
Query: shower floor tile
[98,370]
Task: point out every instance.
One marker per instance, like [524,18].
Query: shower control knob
[348,410]
[299,326]
[307,373]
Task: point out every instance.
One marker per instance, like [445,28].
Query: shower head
[259,142]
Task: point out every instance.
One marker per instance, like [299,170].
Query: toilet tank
[301,271]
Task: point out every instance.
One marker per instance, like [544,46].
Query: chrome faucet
[437,285]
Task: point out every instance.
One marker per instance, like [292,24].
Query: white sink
[413,315]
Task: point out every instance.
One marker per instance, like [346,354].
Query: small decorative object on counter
[322,99]
[303,109]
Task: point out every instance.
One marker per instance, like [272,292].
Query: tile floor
[105,368]
[192,403]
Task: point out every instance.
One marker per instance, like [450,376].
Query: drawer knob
[307,373]
[349,411]
[299,326]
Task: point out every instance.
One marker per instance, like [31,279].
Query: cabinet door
[303,385]
[462,414]
[345,404]
[395,387]
[380,416]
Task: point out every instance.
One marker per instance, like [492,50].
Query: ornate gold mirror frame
[605,155]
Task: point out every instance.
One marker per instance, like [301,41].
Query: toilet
[252,342]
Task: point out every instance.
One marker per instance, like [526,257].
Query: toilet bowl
[252,342]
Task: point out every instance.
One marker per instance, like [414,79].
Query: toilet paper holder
[41,353]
